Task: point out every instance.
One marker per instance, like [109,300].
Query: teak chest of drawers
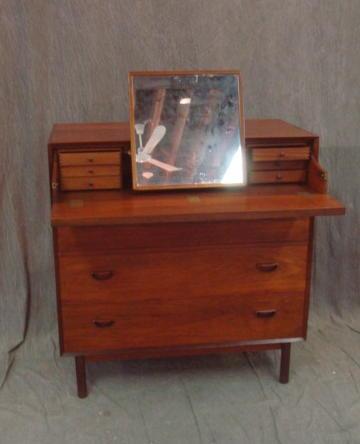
[178,273]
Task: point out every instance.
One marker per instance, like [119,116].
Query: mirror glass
[187,130]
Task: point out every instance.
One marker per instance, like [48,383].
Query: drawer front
[280,165]
[90,183]
[184,274]
[90,171]
[281,153]
[289,176]
[90,158]
[168,322]
[87,240]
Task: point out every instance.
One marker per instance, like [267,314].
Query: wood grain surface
[124,207]
[117,239]
[184,273]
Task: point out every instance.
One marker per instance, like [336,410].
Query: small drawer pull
[103,323]
[267,267]
[282,154]
[91,171]
[279,177]
[91,160]
[266,313]
[102,275]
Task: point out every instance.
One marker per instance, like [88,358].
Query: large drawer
[87,240]
[183,274]
[169,322]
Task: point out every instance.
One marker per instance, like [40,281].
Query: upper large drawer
[79,240]
[183,274]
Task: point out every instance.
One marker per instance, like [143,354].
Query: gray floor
[218,399]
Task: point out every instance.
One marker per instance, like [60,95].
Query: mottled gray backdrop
[67,61]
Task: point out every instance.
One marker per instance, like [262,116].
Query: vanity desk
[190,272]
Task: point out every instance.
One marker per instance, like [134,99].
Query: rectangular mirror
[187,129]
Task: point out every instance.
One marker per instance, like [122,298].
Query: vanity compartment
[279,164]
[90,170]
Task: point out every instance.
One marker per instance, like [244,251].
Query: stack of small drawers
[273,164]
[90,170]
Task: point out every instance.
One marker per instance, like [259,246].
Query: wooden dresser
[149,274]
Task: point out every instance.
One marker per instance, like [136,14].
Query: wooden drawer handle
[103,324]
[102,275]
[266,313]
[267,267]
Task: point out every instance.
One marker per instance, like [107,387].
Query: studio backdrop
[67,61]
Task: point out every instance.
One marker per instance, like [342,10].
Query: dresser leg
[81,376]
[285,363]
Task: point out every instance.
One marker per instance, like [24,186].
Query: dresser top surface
[117,132]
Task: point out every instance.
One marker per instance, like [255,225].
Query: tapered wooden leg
[285,363]
[81,376]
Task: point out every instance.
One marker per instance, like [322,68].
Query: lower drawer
[90,183]
[280,176]
[132,323]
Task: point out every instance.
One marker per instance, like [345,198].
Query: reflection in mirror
[187,130]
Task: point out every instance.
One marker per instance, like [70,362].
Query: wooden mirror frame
[134,149]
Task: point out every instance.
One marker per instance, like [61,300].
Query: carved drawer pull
[102,275]
[267,267]
[266,313]
[103,324]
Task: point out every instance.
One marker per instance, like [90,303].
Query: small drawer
[281,153]
[90,158]
[90,171]
[280,176]
[280,165]
[88,183]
